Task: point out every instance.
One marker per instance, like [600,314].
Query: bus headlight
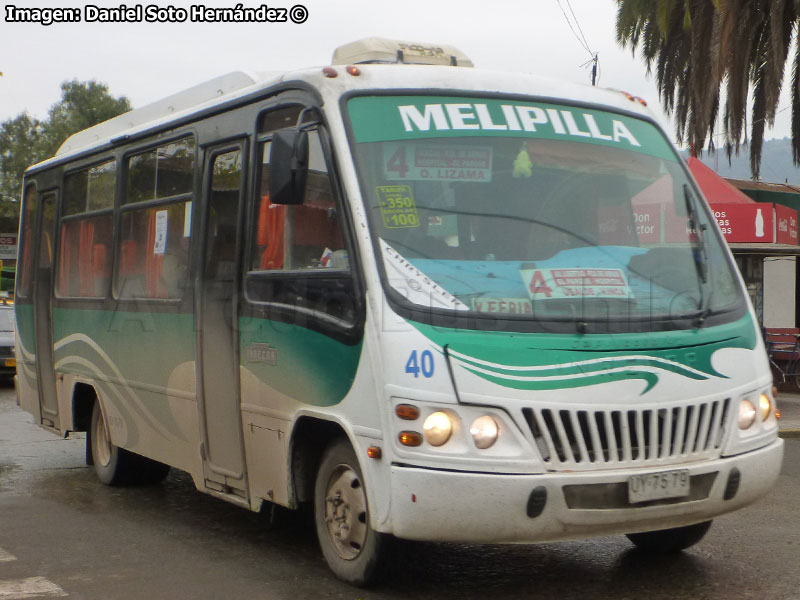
[747,414]
[765,405]
[437,428]
[484,432]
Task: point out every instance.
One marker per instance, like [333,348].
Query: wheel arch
[84,395]
[310,437]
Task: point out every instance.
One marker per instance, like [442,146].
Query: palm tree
[699,46]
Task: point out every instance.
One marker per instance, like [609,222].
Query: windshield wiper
[699,252]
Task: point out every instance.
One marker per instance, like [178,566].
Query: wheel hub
[346,512]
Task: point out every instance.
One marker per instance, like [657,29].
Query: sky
[148,61]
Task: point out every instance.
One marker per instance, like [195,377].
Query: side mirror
[288,159]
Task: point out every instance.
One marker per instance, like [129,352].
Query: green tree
[699,47]
[82,104]
[19,138]
[25,140]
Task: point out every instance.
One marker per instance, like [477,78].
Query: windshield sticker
[437,162]
[386,118]
[508,306]
[160,244]
[397,206]
[558,284]
[414,285]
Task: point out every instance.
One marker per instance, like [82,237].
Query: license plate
[656,486]
[11,362]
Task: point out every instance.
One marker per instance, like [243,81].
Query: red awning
[715,188]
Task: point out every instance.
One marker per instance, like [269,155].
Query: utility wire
[581,38]
[582,42]
[777,112]
[578,25]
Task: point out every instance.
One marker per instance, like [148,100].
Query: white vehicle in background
[8,364]
[411,294]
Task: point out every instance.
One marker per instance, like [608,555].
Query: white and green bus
[434,302]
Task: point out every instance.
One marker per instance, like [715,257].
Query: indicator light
[410,438]
[407,412]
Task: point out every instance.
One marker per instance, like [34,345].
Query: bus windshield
[534,211]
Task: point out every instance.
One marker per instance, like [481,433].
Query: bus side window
[156,223]
[84,252]
[308,236]
[223,210]
[26,249]
[47,233]
[154,252]
[298,258]
[84,257]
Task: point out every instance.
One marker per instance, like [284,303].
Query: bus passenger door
[218,379]
[42,303]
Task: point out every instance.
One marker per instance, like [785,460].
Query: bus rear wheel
[117,466]
[354,551]
[667,541]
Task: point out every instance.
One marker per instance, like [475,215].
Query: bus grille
[574,438]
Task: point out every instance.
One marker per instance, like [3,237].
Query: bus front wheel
[354,551]
[117,466]
[666,541]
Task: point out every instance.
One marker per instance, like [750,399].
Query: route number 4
[397,163]
[423,364]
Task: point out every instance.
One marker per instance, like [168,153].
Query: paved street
[63,534]
[789,405]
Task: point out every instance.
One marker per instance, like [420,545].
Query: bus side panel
[288,372]
[266,450]
[27,391]
[295,364]
[142,366]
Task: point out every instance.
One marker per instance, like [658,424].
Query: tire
[668,541]
[114,465]
[354,551]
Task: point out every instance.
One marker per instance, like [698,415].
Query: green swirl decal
[558,361]
[559,384]
[584,368]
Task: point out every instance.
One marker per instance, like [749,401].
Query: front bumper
[455,506]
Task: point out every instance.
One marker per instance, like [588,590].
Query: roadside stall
[763,237]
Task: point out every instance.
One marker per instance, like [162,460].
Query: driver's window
[298,256]
[309,236]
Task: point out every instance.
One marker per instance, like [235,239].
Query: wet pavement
[789,405]
[61,527]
